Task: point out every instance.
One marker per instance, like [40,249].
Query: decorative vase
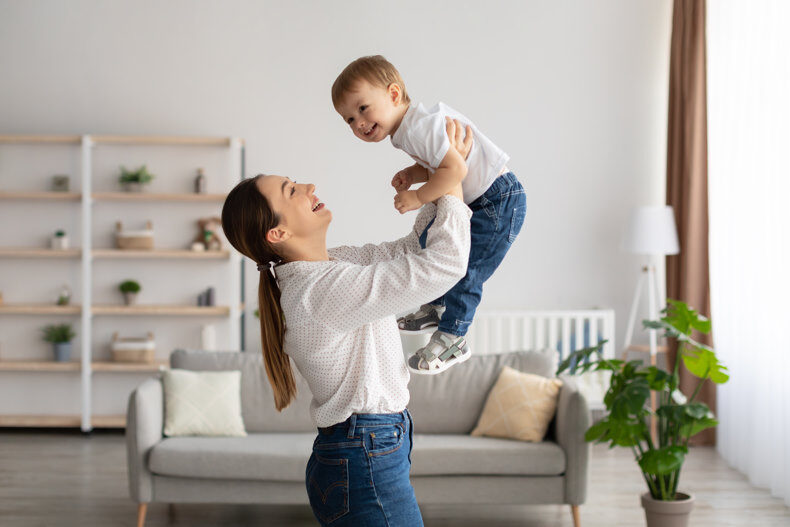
[62,351]
[200,182]
[130,298]
[661,513]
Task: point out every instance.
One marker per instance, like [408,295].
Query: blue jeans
[358,474]
[497,217]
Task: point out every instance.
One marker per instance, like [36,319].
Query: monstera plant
[678,418]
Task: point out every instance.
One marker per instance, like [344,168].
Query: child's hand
[402,180]
[406,200]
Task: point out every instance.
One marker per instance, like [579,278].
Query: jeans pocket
[386,440]
[516,221]
[327,487]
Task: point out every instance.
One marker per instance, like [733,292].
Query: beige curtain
[687,179]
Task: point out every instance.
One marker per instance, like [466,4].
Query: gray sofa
[448,465]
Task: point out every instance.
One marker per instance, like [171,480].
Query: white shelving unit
[86,254]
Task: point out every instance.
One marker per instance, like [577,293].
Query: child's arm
[450,172]
[409,176]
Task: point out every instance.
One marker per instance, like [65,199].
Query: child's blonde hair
[375,69]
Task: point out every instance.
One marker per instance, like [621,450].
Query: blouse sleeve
[349,295]
[373,253]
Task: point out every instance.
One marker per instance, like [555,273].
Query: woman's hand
[461,140]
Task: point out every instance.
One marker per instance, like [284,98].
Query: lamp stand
[648,275]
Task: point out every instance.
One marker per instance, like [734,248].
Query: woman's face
[301,213]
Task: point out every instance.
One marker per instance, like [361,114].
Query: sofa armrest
[144,425]
[573,420]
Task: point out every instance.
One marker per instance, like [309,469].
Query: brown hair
[246,218]
[375,69]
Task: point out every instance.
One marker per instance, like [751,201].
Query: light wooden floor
[64,479]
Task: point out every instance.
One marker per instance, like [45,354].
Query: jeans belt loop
[352,425]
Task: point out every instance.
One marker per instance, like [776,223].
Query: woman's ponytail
[277,363]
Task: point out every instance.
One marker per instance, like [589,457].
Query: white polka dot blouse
[340,314]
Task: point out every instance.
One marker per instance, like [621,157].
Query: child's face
[372,112]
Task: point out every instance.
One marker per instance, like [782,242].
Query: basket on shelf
[133,349]
[142,239]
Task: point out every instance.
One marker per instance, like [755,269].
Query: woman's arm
[371,253]
[348,296]
[461,142]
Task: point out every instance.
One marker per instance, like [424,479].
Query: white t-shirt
[340,328]
[422,135]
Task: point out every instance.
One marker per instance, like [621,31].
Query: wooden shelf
[36,252]
[46,196]
[108,421]
[43,365]
[184,254]
[74,366]
[177,310]
[52,139]
[39,309]
[160,140]
[130,367]
[61,421]
[158,196]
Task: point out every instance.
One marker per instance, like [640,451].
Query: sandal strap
[453,348]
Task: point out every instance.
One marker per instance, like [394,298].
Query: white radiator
[565,331]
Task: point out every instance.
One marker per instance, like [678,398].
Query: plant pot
[668,513]
[133,187]
[62,351]
[59,242]
[130,298]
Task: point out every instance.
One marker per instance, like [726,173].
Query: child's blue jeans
[358,474]
[497,217]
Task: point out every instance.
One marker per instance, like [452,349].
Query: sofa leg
[577,522]
[142,508]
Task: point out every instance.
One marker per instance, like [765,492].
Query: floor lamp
[651,232]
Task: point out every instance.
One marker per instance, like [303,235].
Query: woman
[332,312]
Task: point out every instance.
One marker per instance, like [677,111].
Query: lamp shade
[651,231]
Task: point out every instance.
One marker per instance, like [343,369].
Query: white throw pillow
[203,403]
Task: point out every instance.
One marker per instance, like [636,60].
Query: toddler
[370,96]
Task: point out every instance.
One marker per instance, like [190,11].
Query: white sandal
[441,353]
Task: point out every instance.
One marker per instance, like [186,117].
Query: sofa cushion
[283,457]
[453,455]
[519,406]
[257,397]
[202,403]
[451,403]
[272,457]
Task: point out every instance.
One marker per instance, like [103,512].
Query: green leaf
[629,398]
[581,357]
[703,364]
[657,379]
[598,431]
[663,460]
[696,426]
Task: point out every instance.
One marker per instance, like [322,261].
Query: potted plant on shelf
[627,423]
[135,180]
[60,336]
[59,241]
[129,288]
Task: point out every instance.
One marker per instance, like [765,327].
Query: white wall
[574,91]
